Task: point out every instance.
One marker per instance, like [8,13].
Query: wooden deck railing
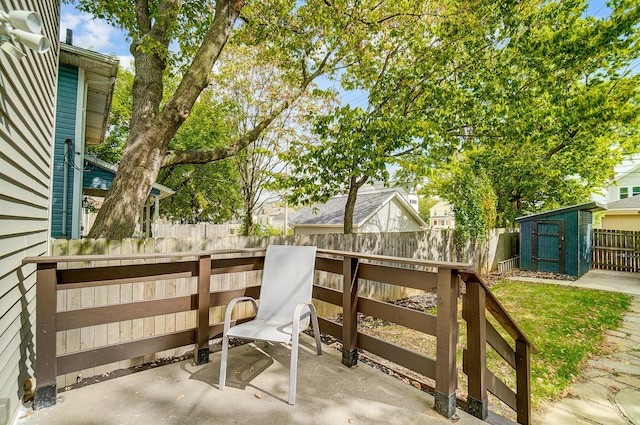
[443,278]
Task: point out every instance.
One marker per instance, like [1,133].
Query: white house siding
[628,176]
[27,106]
[392,217]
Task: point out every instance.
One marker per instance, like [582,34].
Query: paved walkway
[610,393]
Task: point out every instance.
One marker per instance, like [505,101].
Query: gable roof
[632,203]
[628,166]
[331,213]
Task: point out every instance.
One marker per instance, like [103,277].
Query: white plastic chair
[287,283]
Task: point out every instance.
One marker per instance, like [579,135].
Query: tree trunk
[152,131]
[350,207]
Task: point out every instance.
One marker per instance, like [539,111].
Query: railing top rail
[501,314]
[401,260]
[154,256]
[105,257]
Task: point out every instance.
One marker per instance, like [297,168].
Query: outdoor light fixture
[24,26]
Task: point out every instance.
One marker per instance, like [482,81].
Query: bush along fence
[116,331]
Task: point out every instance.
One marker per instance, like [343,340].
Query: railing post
[447,338]
[523,382]
[476,358]
[46,367]
[201,354]
[349,312]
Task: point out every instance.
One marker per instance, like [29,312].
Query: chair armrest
[297,315]
[229,311]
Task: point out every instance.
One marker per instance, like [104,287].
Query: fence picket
[616,250]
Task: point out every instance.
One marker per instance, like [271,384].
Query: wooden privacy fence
[616,250]
[55,274]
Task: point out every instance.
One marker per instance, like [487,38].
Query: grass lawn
[567,325]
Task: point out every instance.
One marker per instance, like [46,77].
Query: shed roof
[331,213]
[589,206]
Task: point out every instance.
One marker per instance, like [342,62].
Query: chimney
[69,39]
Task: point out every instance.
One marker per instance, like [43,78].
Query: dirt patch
[495,277]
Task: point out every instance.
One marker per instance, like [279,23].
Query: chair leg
[316,329]
[223,362]
[293,369]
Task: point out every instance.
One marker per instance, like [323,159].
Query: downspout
[65,189]
[78,154]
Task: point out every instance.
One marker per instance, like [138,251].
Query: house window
[624,192]
[636,190]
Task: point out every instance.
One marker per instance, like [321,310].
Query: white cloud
[126,62]
[93,34]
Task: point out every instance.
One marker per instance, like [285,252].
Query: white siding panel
[392,217]
[16,207]
[27,116]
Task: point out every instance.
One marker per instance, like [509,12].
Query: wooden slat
[75,319]
[416,279]
[329,265]
[330,327]
[412,360]
[45,368]
[72,362]
[349,311]
[523,383]
[474,313]
[236,265]
[113,275]
[201,355]
[498,311]
[328,295]
[402,316]
[501,346]
[494,385]
[224,297]
[500,389]
[149,256]
[447,332]
[399,260]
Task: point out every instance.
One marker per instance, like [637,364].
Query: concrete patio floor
[257,384]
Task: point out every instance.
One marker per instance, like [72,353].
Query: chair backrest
[287,280]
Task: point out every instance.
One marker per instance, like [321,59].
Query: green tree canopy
[546,110]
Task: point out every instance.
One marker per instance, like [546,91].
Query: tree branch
[203,156]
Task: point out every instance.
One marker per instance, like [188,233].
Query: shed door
[548,246]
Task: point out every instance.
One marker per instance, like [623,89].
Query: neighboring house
[270,215]
[626,182]
[27,116]
[622,215]
[382,211]
[85,87]
[97,176]
[441,216]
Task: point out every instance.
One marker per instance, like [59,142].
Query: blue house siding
[98,178]
[65,129]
